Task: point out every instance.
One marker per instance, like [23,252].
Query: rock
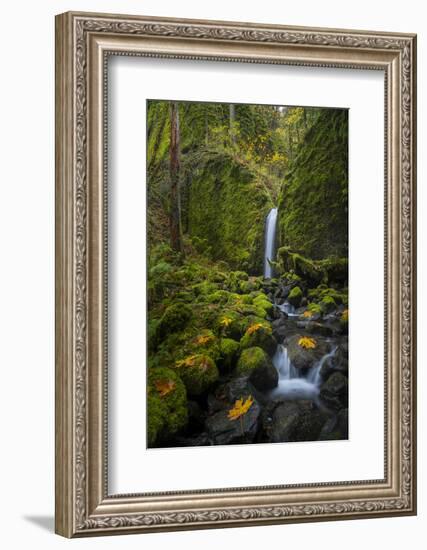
[265,377]
[314,327]
[292,421]
[337,363]
[196,416]
[174,319]
[328,304]
[295,296]
[227,394]
[229,352]
[334,392]
[263,302]
[279,329]
[200,440]
[336,427]
[251,359]
[259,335]
[304,358]
[224,431]
[198,372]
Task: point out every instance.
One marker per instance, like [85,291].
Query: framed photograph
[235,274]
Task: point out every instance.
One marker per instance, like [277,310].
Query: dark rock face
[334,392]
[336,427]
[337,363]
[223,431]
[292,421]
[322,329]
[279,329]
[303,358]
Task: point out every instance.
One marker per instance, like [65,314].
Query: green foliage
[313,202]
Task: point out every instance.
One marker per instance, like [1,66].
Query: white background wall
[27,273]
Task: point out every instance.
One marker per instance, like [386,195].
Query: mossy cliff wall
[313,201]
[226,208]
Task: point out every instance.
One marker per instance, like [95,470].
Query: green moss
[219,297]
[220,212]
[174,318]
[203,342]
[252,358]
[328,304]
[258,311]
[166,414]
[198,372]
[313,201]
[204,288]
[229,351]
[263,302]
[314,308]
[230,324]
[259,335]
[295,296]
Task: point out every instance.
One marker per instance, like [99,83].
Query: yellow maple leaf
[226,321]
[344,315]
[307,314]
[203,339]
[187,362]
[253,328]
[164,386]
[307,343]
[240,408]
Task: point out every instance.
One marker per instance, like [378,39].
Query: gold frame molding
[83,43]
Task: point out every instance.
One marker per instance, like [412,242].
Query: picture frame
[84,42]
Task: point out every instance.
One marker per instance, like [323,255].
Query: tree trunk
[232,121]
[175,206]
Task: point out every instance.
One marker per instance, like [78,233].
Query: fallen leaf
[164,386]
[240,408]
[307,343]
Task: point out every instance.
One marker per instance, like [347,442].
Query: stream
[293,384]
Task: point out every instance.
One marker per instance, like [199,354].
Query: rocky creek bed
[274,350]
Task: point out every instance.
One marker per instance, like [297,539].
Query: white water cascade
[292,384]
[270,242]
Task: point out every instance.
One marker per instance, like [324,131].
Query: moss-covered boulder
[229,352]
[253,309]
[263,302]
[258,366]
[174,318]
[328,304]
[198,372]
[252,358]
[230,324]
[295,296]
[259,335]
[167,411]
[203,342]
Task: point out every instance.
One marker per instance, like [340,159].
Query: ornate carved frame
[83,42]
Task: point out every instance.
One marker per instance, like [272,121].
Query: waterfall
[270,242]
[292,383]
